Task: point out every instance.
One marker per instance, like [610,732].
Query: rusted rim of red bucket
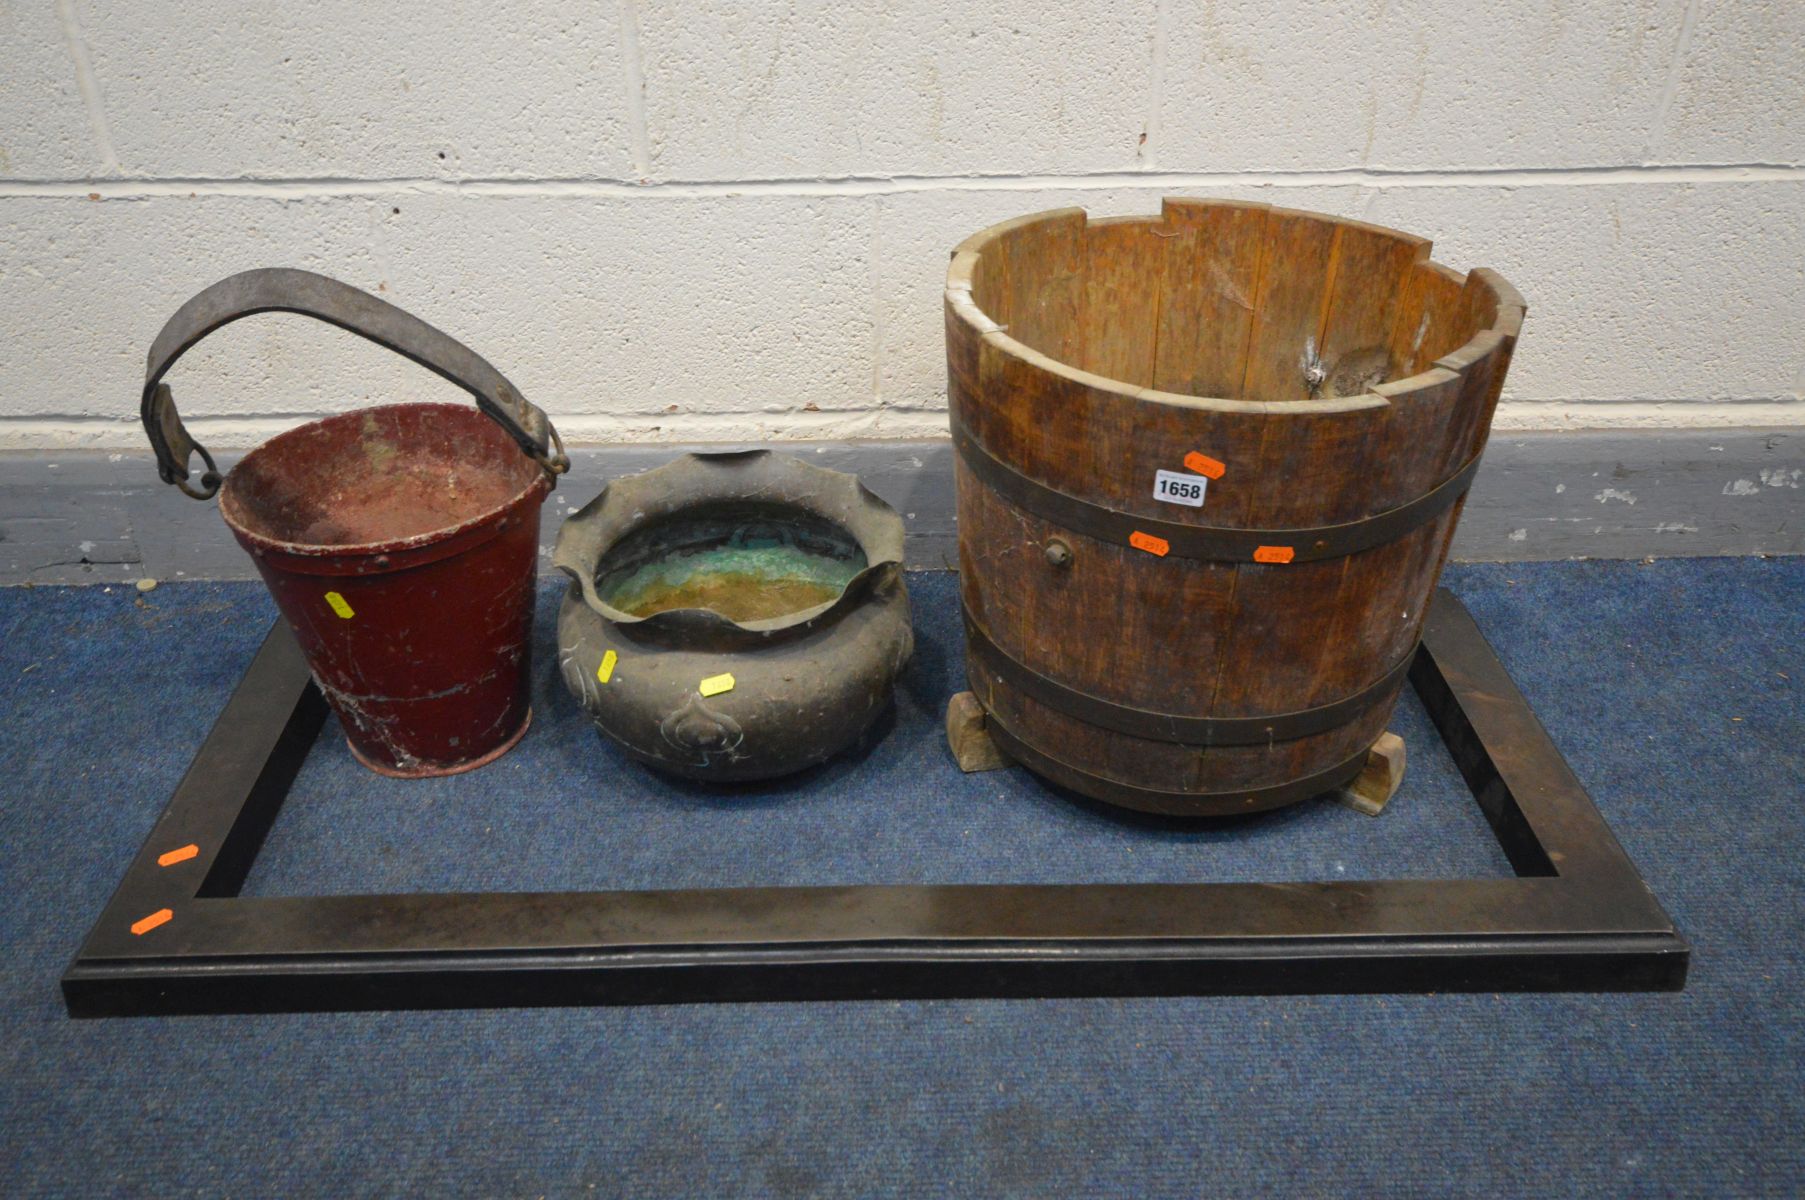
[318,441]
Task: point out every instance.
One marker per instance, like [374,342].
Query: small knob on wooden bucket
[1058,553]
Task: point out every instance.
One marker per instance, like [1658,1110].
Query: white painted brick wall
[1304,86]
[349,88]
[44,129]
[729,219]
[826,88]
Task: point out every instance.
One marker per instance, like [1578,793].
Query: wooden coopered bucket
[1209,464]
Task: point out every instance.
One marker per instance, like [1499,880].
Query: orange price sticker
[180,854]
[1149,543]
[1204,465]
[1274,554]
[144,925]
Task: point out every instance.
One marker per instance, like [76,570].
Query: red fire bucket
[400,542]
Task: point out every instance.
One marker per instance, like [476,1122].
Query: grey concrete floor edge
[96,516]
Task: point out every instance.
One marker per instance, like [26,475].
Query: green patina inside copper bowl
[748,562]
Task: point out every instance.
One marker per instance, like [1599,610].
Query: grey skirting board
[100,517]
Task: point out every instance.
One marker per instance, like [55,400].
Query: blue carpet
[1672,688]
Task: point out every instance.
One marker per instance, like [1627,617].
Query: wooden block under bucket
[1379,781]
[967,737]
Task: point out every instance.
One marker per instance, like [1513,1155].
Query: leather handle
[284,289]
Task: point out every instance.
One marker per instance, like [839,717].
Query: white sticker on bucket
[1176,487]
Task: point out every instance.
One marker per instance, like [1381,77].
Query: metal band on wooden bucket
[1176,727]
[1210,543]
[1172,803]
